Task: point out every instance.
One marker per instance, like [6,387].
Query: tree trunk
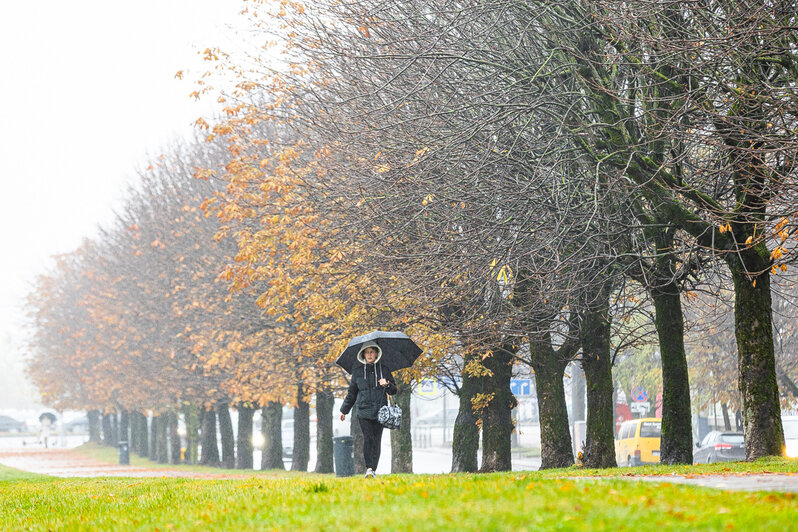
[753,327]
[726,420]
[676,444]
[153,442]
[357,435]
[401,438]
[174,439]
[124,427]
[272,457]
[108,438]
[325,401]
[497,421]
[162,440]
[143,434]
[135,433]
[94,426]
[244,437]
[191,417]
[210,445]
[114,430]
[228,438]
[301,453]
[556,449]
[594,335]
[788,383]
[555,436]
[465,438]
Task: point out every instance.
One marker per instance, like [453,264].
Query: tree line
[512,183]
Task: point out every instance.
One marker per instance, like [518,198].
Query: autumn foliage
[514,184]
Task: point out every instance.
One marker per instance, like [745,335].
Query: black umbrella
[398,350]
[47,414]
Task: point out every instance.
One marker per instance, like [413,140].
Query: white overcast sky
[87,92]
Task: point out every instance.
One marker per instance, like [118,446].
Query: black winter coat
[365,390]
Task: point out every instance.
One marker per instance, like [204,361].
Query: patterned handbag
[390,416]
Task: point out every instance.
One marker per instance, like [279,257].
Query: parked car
[287,426]
[9,424]
[790,425]
[637,442]
[720,446]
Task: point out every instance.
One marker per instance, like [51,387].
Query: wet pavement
[783,482]
[69,463]
[62,462]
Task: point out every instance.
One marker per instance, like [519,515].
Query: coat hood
[360,357]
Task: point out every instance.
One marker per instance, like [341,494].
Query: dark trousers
[372,437]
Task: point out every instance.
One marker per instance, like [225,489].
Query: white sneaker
[370,473]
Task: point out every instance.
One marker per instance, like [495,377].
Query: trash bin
[344,456]
[124,453]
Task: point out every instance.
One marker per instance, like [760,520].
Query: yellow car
[637,442]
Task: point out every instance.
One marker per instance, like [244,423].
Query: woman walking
[369,389]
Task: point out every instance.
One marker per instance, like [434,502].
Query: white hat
[360,357]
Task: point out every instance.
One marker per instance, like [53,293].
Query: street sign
[427,387]
[640,408]
[639,394]
[521,387]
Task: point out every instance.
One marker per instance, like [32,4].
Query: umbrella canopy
[398,350]
[47,415]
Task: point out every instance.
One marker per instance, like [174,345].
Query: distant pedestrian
[45,430]
[371,384]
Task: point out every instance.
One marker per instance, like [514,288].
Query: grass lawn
[111,455]
[282,501]
[765,465]
[9,473]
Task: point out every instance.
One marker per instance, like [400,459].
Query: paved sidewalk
[66,463]
[784,482]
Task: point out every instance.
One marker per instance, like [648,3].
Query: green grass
[502,501]
[111,455]
[9,473]
[763,465]
[547,500]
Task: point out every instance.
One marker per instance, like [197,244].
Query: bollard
[344,456]
[124,453]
